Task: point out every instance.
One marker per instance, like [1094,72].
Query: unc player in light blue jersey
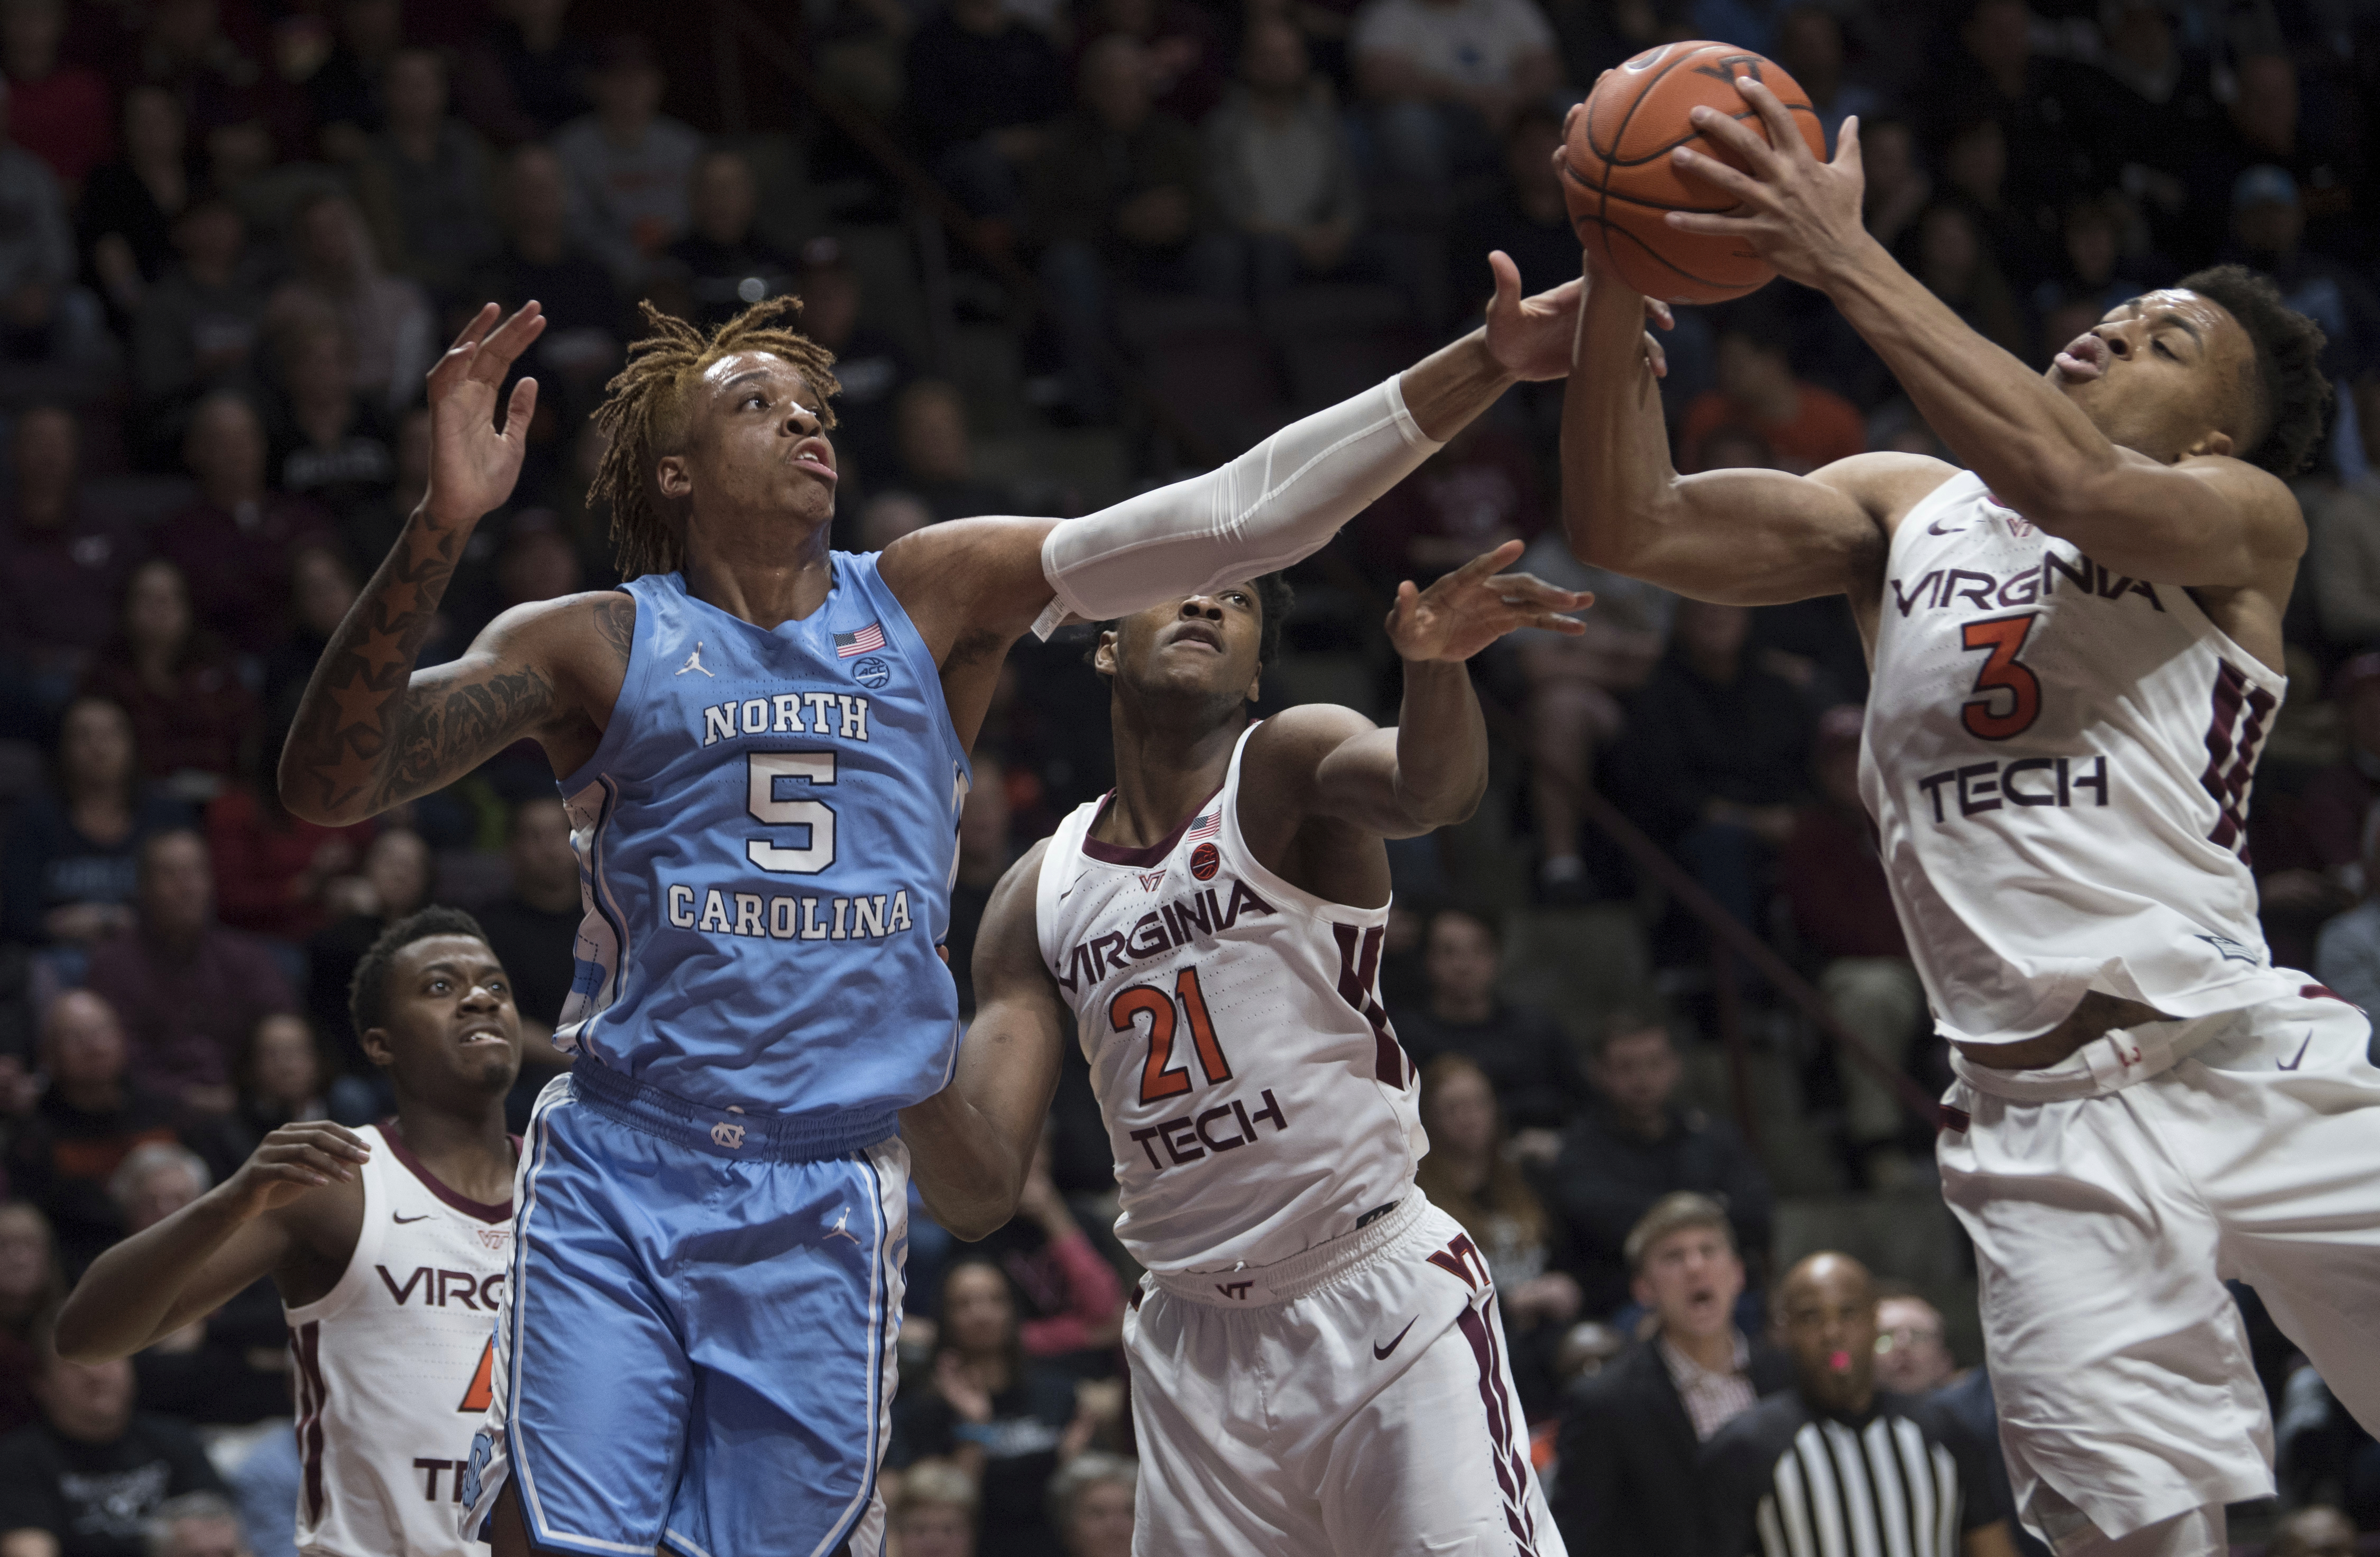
[764,747]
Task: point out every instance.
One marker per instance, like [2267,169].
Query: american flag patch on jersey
[867,640]
[1205,827]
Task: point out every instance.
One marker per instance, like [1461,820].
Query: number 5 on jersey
[2001,637]
[1159,1076]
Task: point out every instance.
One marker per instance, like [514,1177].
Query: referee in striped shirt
[1836,1467]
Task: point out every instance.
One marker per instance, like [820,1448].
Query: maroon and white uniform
[2059,761]
[1317,1360]
[393,1366]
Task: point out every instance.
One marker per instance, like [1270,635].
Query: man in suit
[1630,1434]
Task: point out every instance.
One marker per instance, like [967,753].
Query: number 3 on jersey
[1159,1076]
[2001,637]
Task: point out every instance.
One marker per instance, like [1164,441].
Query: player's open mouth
[2084,358]
[1192,632]
[806,458]
[477,1035]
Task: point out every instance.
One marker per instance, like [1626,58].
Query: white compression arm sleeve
[1281,501]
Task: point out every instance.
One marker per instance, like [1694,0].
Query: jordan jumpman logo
[842,1228]
[694,661]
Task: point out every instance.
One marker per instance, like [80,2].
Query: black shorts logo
[1205,861]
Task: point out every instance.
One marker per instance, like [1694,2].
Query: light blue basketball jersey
[766,836]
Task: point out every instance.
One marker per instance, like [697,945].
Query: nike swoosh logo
[2298,1058]
[401,1220]
[1381,1353]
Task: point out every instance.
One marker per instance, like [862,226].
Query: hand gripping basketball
[1800,215]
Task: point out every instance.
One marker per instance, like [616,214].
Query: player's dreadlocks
[644,415]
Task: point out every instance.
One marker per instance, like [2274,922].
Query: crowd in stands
[234,233]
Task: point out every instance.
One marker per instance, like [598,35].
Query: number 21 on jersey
[1160,1078]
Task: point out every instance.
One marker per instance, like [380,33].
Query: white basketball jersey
[1257,1100]
[2058,761]
[393,1366]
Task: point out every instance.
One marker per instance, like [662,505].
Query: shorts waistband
[1285,1280]
[724,1132]
[2113,1061]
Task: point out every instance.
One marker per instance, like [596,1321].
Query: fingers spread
[1775,115]
[1725,129]
[481,322]
[1709,223]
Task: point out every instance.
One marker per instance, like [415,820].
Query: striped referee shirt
[1903,1480]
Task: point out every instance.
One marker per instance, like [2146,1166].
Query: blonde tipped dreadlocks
[643,415]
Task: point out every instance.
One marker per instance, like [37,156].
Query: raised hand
[293,1160]
[1477,603]
[1530,338]
[473,465]
[1800,215]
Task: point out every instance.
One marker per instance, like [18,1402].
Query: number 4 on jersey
[2001,637]
[1159,1076]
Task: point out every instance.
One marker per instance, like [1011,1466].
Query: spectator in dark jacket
[1625,1482]
[2337,796]
[90,1116]
[1524,1054]
[92,1471]
[191,710]
[63,567]
[67,870]
[1640,1144]
[983,87]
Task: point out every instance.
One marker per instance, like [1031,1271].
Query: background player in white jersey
[389,1244]
[1315,1355]
[2076,646]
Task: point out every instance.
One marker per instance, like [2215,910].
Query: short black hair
[1274,598]
[2287,394]
[367,995]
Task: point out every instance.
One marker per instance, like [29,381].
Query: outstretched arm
[372,731]
[2192,517]
[195,1261]
[971,1144]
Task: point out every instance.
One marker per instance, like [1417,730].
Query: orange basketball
[1619,182]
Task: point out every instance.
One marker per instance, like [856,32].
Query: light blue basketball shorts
[697,1344]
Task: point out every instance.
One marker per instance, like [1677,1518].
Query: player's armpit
[971,1144]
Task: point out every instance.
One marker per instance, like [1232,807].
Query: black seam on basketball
[1621,133]
[1691,134]
[1611,227]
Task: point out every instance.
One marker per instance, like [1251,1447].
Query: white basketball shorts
[1354,1401]
[2105,1222]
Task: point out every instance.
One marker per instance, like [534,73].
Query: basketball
[1619,182]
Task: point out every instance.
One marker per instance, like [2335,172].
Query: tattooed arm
[373,731]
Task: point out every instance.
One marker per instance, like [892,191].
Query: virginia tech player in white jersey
[1315,1351]
[390,1245]
[2077,653]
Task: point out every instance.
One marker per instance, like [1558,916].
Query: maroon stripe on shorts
[1476,1330]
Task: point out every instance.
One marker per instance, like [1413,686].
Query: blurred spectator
[1842,909]
[338,279]
[1004,1419]
[582,341]
[983,88]
[526,76]
[351,93]
[1188,63]
[187,989]
[1525,216]
[190,710]
[2037,101]
[1073,1306]
[45,318]
[276,874]
[2093,236]
[129,207]
[1898,186]
[232,1366]
[62,566]
[2338,798]
[67,871]
[198,326]
[85,1480]
[1910,1357]
[322,588]
[933,1514]
[1975,175]
[394,881]
[533,929]
[368,531]
[1639,1144]
[888,517]
[198,1524]
[1716,756]
[285,1074]
[725,266]
[2342,563]
[1119,200]
[1805,426]
[630,165]
[87,1119]
[1279,160]
[58,111]
[155,1180]
[1520,1049]
[937,456]
[2347,953]
[1469,497]
[1444,79]
[1810,46]
[985,845]
[2320,1531]
[869,363]
[187,49]
[1091,1501]
[234,544]
[330,443]
[1471,1174]
[1826,1316]
[32,1283]
[425,179]
[1948,253]
[2269,222]
[1631,1432]
[2268,125]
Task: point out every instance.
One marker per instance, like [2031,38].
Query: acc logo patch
[872,673]
[1205,861]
